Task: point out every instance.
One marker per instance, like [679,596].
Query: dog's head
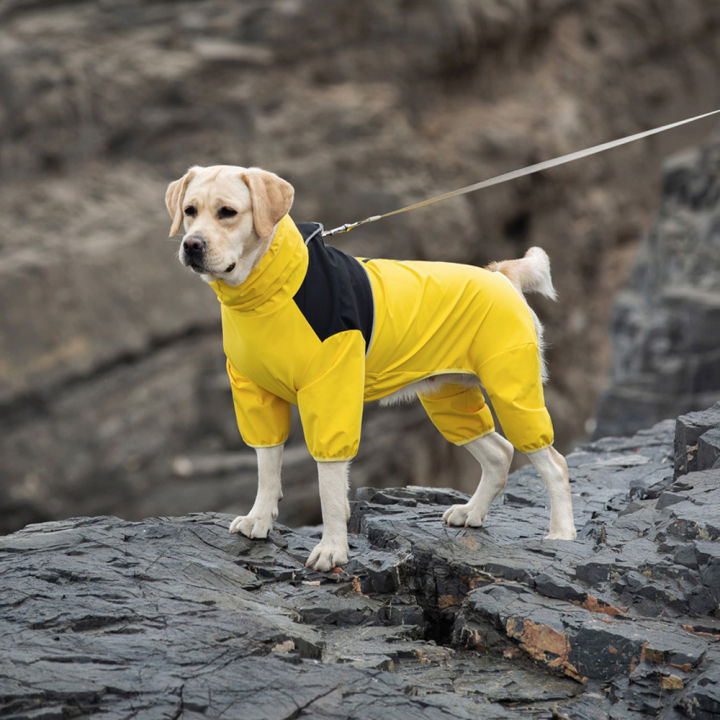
[230,214]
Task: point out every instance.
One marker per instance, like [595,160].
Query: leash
[514,174]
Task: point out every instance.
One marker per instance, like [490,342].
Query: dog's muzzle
[193,252]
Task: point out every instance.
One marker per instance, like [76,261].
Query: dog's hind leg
[460,412]
[494,453]
[554,471]
[258,522]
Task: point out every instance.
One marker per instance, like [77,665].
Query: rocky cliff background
[112,389]
[666,321]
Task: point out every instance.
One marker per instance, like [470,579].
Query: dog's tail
[530,273]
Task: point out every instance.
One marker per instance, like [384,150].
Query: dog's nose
[194,245]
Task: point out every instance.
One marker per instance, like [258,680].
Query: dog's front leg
[258,522]
[332,549]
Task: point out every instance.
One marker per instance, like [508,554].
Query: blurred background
[113,395]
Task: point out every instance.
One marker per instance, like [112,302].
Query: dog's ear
[174,196]
[271,197]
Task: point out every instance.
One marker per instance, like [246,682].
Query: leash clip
[351,226]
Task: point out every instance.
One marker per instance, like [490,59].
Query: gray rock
[709,448]
[105,617]
[696,440]
[667,320]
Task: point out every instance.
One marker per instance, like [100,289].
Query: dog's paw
[253,526]
[327,555]
[463,516]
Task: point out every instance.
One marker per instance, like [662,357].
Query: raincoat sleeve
[263,418]
[331,397]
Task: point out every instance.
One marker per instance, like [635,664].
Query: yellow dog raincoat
[315,327]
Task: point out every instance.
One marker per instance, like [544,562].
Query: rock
[667,319]
[697,441]
[111,362]
[709,448]
[174,616]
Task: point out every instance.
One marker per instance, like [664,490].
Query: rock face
[667,321]
[172,617]
[111,362]
[697,441]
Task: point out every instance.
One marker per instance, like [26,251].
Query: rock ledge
[173,617]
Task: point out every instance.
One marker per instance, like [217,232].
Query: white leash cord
[514,174]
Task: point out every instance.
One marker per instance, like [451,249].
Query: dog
[305,324]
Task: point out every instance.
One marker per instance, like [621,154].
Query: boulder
[697,440]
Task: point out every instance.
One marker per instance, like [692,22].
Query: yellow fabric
[515,389]
[331,404]
[265,417]
[430,318]
[459,413]
[434,318]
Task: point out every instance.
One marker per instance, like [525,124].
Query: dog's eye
[191,211]
[226,212]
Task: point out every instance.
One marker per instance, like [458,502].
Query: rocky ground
[173,617]
[112,395]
